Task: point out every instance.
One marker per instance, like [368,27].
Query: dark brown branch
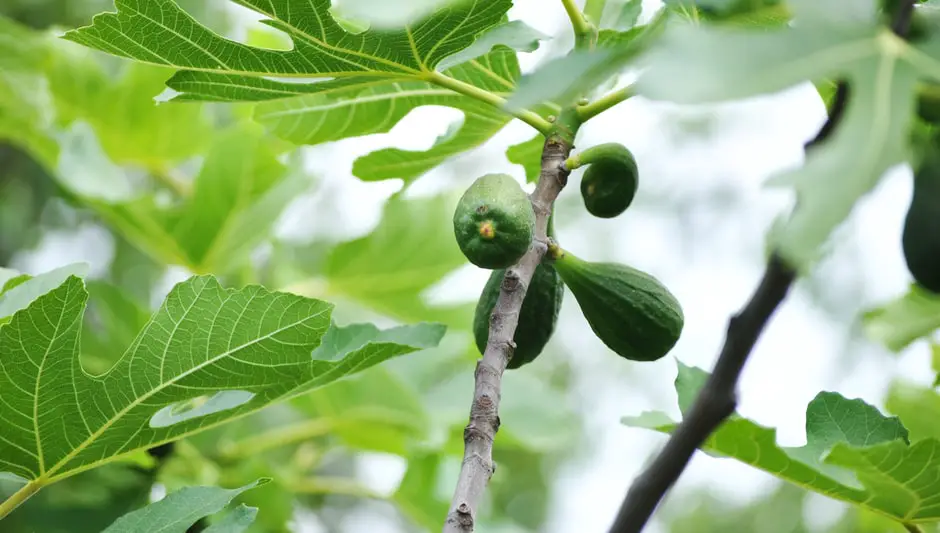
[478,467]
[716,401]
[718,398]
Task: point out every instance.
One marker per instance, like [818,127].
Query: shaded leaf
[24,98]
[411,249]
[234,521]
[515,34]
[621,15]
[529,155]
[417,496]
[179,510]
[129,125]
[567,78]
[881,71]
[899,323]
[382,14]
[113,319]
[918,406]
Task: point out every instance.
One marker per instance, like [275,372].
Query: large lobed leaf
[720,63]
[356,83]
[853,452]
[208,355]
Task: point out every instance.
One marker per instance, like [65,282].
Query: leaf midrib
[140,399]
[311,39]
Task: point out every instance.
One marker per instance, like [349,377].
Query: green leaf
[180,510]
[411,249]
[239,193]
[882,70]
[529,155]
[918,406]
[113,319]
[621,15]
[382,14]
[853,453]
[565,79]
[130,126]
[23,292]
[159,32]
[378,75]
[515,34]
[234,521]
[237,198]
[207,356]
[375,411]
[24,98]
[899,323]
[417,495]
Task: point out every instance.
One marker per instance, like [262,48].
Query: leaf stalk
[18,497]
[529,117]
[609,100]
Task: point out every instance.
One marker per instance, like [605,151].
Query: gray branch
[478,436]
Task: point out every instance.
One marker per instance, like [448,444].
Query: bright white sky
[698,224]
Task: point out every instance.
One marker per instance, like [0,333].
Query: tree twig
[478,467]
[718,398]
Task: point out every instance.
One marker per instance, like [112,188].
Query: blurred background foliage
[165,189]
[91,169]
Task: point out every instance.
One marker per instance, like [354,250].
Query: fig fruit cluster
[630,311]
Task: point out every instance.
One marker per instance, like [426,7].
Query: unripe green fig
[629,310]
[610,181]
[537,318]
[494,222]
[928,103]
[920,239]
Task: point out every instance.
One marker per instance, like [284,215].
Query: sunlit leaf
[208,355]
[410,250]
